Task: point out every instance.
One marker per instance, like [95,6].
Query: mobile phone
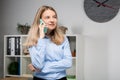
[45,28]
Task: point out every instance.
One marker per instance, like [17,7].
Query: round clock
[101,10]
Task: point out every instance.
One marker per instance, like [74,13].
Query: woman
[50,52]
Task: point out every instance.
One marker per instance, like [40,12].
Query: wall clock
[101,10]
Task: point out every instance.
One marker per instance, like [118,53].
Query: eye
[47,17]
[55,17]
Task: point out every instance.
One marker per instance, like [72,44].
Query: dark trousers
[35,78]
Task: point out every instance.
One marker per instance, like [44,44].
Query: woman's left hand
[32,68]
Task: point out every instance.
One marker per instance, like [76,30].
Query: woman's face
[50,19]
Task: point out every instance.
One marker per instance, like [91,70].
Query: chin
[52,28]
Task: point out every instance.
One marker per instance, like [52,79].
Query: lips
[51,24]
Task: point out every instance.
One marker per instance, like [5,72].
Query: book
[8,46]
[12,42]
[17,45]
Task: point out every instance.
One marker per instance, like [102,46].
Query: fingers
[31,67]
[41,30]
[41,27]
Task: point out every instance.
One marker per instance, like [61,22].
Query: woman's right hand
[41,30]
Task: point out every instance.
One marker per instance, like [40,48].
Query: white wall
[102,40]
[114,53]
[102,48]
[22,11]
[96,59]
[1,41]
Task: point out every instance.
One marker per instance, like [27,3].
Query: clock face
[101,10]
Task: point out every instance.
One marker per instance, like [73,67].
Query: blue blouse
[52,60]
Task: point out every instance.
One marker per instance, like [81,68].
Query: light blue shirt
[51,59]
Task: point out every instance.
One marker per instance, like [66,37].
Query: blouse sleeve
[37,54]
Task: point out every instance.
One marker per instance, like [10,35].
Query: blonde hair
[56,35]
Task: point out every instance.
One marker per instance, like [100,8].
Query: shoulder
[65,39]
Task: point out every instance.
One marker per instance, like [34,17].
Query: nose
[51,19]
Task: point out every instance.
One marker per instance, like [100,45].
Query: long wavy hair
[56,35]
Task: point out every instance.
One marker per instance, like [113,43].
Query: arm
[61,65]
[37,54]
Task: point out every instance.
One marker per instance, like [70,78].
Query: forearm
[60,65]
[57,66]
[37,54]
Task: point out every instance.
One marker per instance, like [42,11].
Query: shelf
[27,75]
[23,58]
[12,56]
[25,62]
[73,57]
[7,75]
[26,56]
[12,66]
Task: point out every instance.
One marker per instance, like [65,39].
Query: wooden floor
[15,78]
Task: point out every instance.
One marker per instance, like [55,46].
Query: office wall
[101,40]
[1,45]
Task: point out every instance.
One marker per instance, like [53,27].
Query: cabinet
[15,52]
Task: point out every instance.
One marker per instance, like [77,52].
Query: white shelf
[76,44]
[27,75]
[73,57]
[26,56]
[12,56]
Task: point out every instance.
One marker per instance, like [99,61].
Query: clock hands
[103,4]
